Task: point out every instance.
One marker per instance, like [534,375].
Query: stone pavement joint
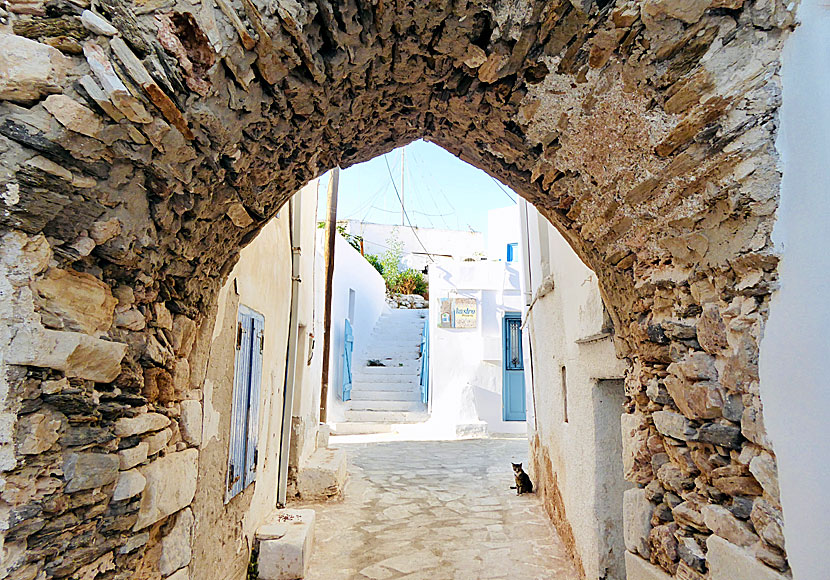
[435,510]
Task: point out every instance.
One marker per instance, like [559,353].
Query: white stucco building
[475,319]
[575,398]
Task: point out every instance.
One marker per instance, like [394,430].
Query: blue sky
[440,190]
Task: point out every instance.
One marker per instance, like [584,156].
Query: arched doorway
[138,160]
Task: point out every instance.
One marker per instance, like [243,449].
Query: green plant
[391,262]
[253,564]
[421,285]
[374,261]
[353,240]
[411,282]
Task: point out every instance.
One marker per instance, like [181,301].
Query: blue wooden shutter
[257,347]
[242,453]
[239,411]
[348,346]
[425,363]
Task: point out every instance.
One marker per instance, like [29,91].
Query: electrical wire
[368,201]
[425,168]
[496,181]
[406,215]
[413,211]
[423,185]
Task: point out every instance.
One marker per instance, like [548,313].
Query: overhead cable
[496,181]
[406,215]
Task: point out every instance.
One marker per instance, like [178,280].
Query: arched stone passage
[138,158]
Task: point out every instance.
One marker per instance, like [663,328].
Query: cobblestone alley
[435,510]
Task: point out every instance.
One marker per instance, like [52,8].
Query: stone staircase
[389,394]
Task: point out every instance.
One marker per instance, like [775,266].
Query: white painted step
[389,330]
[322,476]
[387,382]
[403,338]
[410,370]
[386,386]
[403,384]
[392,368]
[402,375]
[361,405]
[386,416]
[384,351]
[285,544]
[390,361]
[386,395]
[356,428]
[413,331]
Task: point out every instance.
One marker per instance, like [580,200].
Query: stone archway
[139,156]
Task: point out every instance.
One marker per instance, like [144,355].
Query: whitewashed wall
[796,343]
[584,451]
[466,364]
[260,280]
[306,410]
[502,229]
[351,272]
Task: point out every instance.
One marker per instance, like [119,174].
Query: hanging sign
[466,312]
[458,312]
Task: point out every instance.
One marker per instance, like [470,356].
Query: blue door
[348,347]
[513,387]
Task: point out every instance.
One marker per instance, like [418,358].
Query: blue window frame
[513,252]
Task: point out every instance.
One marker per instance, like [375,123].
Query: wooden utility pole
[331,231]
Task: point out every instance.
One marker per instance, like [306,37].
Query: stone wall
[143,145]
[106,423]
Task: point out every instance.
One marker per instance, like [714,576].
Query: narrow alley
[589,236]
[438,510]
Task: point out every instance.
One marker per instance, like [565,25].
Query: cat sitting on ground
[523,483]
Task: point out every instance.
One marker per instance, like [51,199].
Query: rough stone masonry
[143,143]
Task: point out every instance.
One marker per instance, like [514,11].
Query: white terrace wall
[575,428]
[794,351]
[466,364]
[443,245]
[352,273]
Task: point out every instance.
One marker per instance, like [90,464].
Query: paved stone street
[436,510]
